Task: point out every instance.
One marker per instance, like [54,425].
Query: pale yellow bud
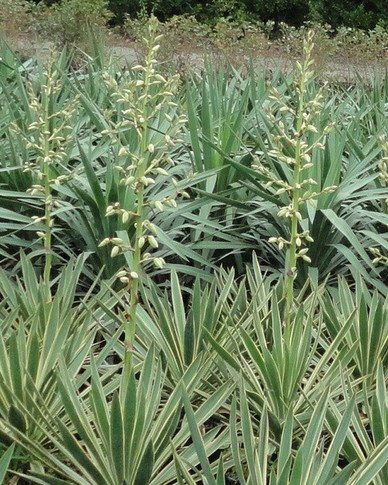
[123,152]
[162,171]
[115,251]
[159,205]
[104,242]
[153,242]
[151,227]
[158,262]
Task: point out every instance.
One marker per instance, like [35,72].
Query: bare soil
[181,55]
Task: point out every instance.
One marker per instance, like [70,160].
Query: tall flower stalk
[145,125]
[47,138]
[291,146]
[379,255]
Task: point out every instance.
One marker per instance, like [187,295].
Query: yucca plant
[342,224]
[109,437]
[368,333]
[86,180]
[217,104]
[313,457]
[36,334]
[276,361]
[179,321]
[40,140]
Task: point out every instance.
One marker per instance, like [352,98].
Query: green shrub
[70,20]
[364,14]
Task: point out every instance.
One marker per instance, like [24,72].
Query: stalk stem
[47,200]
[130,324]
[292,252]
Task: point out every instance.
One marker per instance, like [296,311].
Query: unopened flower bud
[115,251]
[104,242]
[153,242]
[158,262]
[162,171]
[151,227]
[159,205]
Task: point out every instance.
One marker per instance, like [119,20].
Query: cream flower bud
[115,251]
[162,171]
[151,227]
[153,242]
[159,205]
[104,242]
[158,262]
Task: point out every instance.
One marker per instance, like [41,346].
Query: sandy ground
[181,58]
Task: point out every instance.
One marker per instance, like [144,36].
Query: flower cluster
[294,138]
[47,137]
[293,143]
[383,164]
[378,256]
[145,126]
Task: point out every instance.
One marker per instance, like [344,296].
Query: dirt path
[183,57]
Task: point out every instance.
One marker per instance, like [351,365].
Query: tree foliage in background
[364,14]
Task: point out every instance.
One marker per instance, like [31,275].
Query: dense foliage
[365,14]
[193,274]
